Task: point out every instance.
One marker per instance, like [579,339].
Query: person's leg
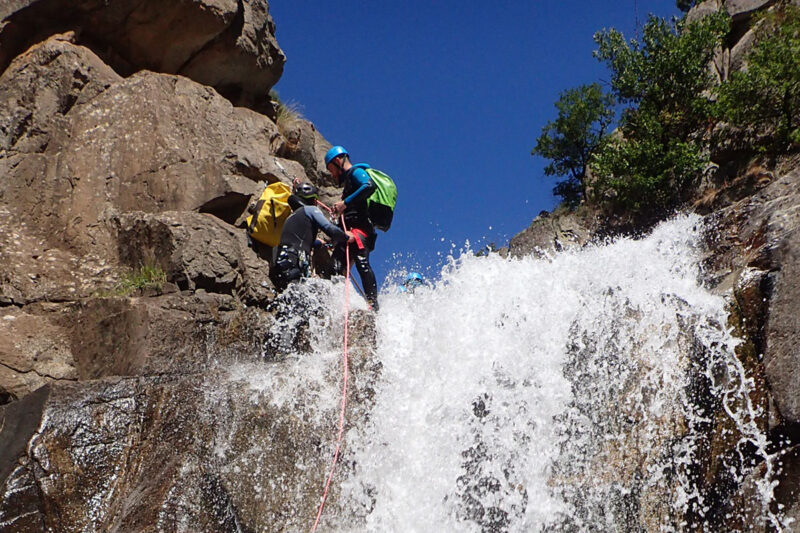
[338,260]
[370,285]
[287,268]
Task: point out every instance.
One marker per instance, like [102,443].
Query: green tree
[764,99]
[584,115]
[665,82]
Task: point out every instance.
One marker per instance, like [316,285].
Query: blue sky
[448,98]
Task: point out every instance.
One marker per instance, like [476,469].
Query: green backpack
[380,206]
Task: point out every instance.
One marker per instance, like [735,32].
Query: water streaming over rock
[581,393]
[596,390]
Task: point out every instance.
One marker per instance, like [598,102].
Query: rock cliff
[132,137]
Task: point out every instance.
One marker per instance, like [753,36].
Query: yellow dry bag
[271,211]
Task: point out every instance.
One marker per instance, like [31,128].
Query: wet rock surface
[756,244]
[752,243]
[221,449]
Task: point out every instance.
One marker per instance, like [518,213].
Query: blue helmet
[413,280]
[333,153]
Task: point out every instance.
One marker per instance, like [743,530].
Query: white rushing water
[567,394]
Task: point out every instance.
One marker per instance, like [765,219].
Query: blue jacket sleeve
[334,232]
[365,186]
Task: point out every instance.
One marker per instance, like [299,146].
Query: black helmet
[307,192]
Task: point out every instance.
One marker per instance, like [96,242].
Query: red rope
[346,359]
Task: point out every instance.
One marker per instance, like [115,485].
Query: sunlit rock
[225,44]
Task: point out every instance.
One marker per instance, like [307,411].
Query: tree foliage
[665,82]
[764,99]
[584,116]
[685,5]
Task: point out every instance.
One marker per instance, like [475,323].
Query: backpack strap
[254,219]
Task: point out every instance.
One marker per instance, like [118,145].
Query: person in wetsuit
[356,188]
[299,234]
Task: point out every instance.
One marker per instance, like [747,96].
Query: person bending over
[299,235]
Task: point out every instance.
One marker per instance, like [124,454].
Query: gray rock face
[552,233]
[85,154]
[703,9]
[761,233]
[738,54]
[93,145]
[226,44]
[732,56]
[739,10]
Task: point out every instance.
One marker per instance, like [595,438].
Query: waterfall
[582,392]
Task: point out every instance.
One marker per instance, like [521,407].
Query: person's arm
[334,232]
[365,187]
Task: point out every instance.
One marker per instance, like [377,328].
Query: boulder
[703,9]
[227,44]
[739,52]
[304,144]
[739,10]
[41,87]
[553,232]
[743,9]
[196,251]
[166,143]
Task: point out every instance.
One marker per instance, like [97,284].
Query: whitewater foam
[533,394]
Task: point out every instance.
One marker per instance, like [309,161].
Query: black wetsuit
[297,237]
[357,187]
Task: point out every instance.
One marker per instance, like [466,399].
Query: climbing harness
[360,236]
[346,362]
